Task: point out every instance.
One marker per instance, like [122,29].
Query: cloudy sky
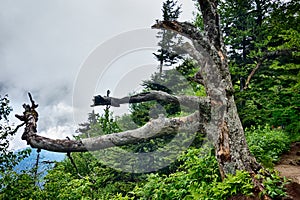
[44,44]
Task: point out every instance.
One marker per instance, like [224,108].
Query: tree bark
[224,128]
[192,102]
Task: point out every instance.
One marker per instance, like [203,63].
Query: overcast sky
[43,45]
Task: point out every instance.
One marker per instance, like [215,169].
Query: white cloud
[53,132]
[44,43]
[58,132]
[55,115]
[55,121]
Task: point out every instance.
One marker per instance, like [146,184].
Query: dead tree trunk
[225,127]
[216,114]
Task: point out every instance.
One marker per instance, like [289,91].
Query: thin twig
[33,105]
[37,165]
[73,163]
[252,74]
[19,126]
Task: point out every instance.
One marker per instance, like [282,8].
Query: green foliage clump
[8,159]
[264,43]
[197,178]
[177,185]
[18,186]
[238,184]
[266,144]
[13,185]
[60,184]
[92,180]
[274,184]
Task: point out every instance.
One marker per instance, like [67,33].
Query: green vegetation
[12,184]
[195,174]
[268,105]
[267,145]
[197,178]
[273,183]
[263,38]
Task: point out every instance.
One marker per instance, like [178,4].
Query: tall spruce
[165,55]
[261,38]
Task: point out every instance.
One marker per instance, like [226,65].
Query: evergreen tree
[9,159]
[13,185]
[262,43]
[84,128]
[165,55]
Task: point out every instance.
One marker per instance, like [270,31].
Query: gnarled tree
[216,114]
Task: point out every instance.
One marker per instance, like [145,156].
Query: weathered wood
[188,101]
[186,29]
[154,128]
[225,128]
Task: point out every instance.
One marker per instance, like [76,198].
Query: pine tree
[164,55]
[262,43]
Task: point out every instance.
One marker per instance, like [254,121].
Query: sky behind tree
[44,43]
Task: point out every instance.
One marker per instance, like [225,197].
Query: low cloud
[44,43]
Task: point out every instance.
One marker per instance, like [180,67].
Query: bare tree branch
[154,128]
[188,101]
[267,55]
[207,45]
[278,53]
[185,29]
[17,128]
[252,74]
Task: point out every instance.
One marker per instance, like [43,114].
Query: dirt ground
[289,166]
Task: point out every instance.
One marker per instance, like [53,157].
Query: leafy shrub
[267,145]
[196,166]
[17,186]
[240,183]
[197,178]
[274,185]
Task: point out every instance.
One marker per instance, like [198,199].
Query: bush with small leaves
[266,144]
